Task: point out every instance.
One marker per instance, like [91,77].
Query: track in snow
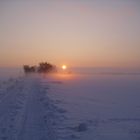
[26,113]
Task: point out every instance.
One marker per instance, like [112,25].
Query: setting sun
[64,67]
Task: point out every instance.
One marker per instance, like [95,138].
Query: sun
[64,67]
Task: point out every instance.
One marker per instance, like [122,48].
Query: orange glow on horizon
[64,76]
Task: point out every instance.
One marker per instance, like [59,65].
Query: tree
[28,69]
[44,67]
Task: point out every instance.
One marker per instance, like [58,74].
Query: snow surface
[108,106]
[70,107]
[26,113]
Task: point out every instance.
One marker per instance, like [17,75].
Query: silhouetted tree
[28,69]
[44,67]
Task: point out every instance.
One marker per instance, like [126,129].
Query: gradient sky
[97,33]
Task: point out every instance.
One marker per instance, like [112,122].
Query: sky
[86,33]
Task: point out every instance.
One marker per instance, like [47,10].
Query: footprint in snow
[81,127]
[3,130]
[4,138]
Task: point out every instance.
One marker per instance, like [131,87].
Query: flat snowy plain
[70,107]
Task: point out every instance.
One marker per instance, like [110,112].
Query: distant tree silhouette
[44,67]
[28,69]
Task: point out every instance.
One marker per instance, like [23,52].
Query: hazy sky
[100,33]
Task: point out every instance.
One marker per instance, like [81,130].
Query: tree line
[43,67]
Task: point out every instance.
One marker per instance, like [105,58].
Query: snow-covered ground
[70,107]
[97,107]
[26,113]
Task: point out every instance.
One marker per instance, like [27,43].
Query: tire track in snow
[9,110]
[25,113]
